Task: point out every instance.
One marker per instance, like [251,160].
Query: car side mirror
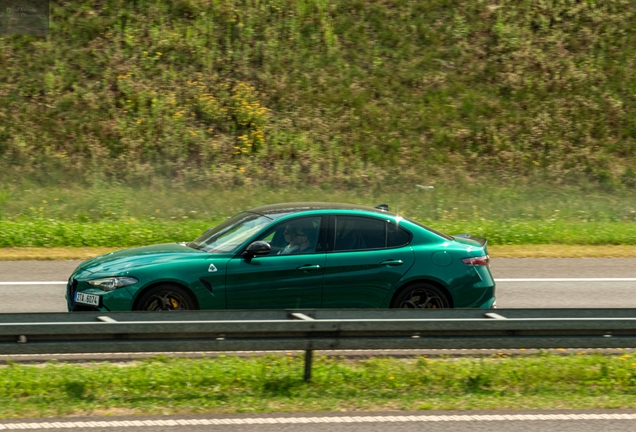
[257,248]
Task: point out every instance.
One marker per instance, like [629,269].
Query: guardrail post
[309,354]
[308,358]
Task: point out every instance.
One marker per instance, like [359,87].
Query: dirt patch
[562,251]
[52,254]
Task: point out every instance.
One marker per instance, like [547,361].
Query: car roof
[277,210]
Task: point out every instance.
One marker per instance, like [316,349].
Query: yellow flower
[138,121]
[391,378]
[44,201]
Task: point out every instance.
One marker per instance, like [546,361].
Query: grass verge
[54,233]
[528,215]
[502,251]
[273,383]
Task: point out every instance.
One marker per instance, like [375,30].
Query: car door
[368,257]
[277,280]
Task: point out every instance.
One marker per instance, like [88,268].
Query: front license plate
[88,299]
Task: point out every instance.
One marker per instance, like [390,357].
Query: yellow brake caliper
[175,303]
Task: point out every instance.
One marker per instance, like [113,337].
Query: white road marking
[306,420]
[496,280]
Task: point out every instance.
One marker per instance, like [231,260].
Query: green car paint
[366,275]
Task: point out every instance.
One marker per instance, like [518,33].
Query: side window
[396,236]
[269,238]
[356,233]
[296,236]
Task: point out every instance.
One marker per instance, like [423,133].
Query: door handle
[309,267]
[392,263]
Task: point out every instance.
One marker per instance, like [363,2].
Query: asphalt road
[546,294]
[433,421]
[50,298]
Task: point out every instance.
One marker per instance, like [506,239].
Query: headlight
[111,283]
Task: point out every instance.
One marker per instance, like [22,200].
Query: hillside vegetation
[343,92]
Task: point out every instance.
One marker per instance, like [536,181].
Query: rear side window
[358,233]
[396,236]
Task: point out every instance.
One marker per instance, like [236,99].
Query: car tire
[165,298]
[421,296]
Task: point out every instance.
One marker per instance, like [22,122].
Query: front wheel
[421,296]
[165,298]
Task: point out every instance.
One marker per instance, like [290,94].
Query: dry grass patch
[562,251]
[52,254]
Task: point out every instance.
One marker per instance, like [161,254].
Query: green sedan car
[289,256]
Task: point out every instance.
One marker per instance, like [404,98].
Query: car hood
[122,260]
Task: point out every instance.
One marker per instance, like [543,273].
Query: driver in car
[297,237]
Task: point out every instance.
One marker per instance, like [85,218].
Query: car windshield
[228,236]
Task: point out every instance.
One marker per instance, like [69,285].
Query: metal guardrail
[319,329]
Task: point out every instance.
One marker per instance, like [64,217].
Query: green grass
[120,216]
[344,93]
[52,233]
[230,384]
[451,200]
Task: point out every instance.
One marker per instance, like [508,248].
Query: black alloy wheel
[421,296]
[165,298]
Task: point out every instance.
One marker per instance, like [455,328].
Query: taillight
[477,261]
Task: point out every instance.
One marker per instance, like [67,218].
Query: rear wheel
[421,296]
[165,298]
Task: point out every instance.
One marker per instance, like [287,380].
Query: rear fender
[411,279]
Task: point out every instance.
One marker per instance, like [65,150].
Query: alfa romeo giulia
[294,255]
